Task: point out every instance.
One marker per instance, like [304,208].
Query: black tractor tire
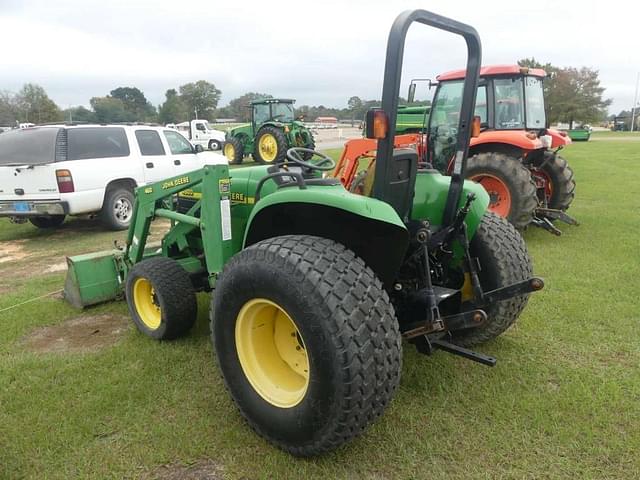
[51,221]
[117,208]
[515,177]
[238,150]
[504,260]
[560,175]
[349,332]
[215,145]
[280,141]
[170,290]
[311,144]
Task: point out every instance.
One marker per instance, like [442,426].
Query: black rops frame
[391,91]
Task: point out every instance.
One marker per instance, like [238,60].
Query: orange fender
[517,138]
[558,138]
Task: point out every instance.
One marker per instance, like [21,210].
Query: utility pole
[635,102]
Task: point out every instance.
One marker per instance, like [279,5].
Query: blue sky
[319,52]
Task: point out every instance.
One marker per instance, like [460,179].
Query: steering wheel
[325,164]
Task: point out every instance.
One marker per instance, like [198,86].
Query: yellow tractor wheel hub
[268,147]
[272,353]
[146,303]
[229,151]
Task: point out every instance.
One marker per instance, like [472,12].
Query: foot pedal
[463,352]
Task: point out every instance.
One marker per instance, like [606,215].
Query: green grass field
[563,401]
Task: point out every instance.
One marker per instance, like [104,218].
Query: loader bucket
[93,278]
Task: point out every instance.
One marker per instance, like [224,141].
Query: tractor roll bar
[391,91]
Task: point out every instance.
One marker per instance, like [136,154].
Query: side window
[481,104]
[149,142]
[177,143]
[200,126]
[96,142]
[261,113]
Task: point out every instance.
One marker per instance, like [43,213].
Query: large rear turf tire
[504,260]
[270,145]
[561,186]
[51,221]
[234,150]
[509,184]
[336,366]
[161,298]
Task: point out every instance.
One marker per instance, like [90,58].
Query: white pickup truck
[199,132]
[49,172]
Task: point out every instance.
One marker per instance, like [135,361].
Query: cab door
[157,164]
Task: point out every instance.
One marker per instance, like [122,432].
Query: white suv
[49,172]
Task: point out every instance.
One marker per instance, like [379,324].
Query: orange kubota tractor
[515,157]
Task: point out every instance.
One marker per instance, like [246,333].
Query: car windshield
[282,112]
[534,96]
[30,146]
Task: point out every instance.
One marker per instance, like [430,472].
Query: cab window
[260,113]
[177,143]
[481,104]
[509,103]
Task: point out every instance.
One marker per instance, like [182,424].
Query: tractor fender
[370,228]
[509,138]
[558,138]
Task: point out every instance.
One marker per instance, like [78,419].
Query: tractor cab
[278,110]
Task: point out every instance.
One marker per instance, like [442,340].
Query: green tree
[79,114]
[34,105]
[355,105]
[8,108]
[571,94]
[201,97]
[110,110]
[135,103]
[173,110]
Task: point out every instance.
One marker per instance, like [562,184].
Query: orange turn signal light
[377,124]
[475,126]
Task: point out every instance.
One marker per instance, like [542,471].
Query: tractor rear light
[531,135]
[563,134]
[286,129]
[377,123]
[475,127]
[65,181]
[547,141]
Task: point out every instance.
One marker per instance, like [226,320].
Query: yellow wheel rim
[272,353]
[268,147]
[146,303]
[229,151]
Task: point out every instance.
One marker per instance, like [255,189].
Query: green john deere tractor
[313,287]
[272,131]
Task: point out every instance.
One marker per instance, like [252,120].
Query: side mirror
[476,126]
[198,148]
[412,93]
[377,124]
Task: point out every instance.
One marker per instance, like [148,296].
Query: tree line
[571,95]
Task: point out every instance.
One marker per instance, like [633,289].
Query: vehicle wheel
[234,150]
[214,145]
[117,208]
[504,260]
[161,298]
[509,184]
[307,342]
[51,221]
[270,145]
[311,144]
[558,176]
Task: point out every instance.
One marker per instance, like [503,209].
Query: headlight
[546,140]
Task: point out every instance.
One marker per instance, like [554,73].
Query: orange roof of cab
[492,70]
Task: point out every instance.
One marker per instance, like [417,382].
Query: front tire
[117,208]
[161,298]
[509,184]
[559,182]
[504,260]
[51,221]
[338,315]
[214,145]
[234,150]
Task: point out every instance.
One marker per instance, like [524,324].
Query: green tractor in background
[272,131]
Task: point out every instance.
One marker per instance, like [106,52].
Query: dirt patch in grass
[78,335]
[201,470]
[12,251]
